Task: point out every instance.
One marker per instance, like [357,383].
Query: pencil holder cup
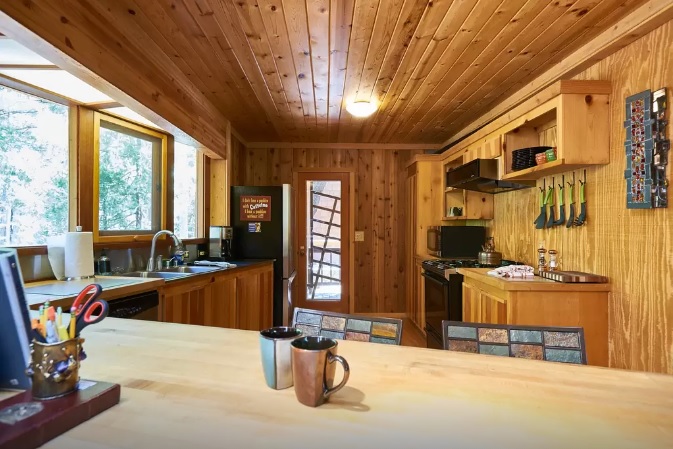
[54,368]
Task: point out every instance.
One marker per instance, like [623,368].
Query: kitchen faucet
[178,244]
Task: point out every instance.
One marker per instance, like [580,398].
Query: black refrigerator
[262,218]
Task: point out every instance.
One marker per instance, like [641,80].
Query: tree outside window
[185,188]
[33,169]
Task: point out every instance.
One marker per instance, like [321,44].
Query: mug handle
[331,358]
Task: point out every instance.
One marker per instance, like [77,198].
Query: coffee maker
[220,242]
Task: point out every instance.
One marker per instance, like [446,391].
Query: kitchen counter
[535,283]
[63,293]
[202,387]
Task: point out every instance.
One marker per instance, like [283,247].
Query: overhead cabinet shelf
[576,124]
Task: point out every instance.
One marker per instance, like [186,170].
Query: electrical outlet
[359,236]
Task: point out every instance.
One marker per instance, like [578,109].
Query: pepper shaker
[553,265]
[541,258]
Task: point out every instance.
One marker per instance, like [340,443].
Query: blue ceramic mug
[276,348]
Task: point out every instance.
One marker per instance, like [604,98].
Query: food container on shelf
[551,154]
[540,158]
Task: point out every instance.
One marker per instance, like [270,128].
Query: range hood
[481,175]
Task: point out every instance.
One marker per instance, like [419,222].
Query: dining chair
[553,344]
[342,326]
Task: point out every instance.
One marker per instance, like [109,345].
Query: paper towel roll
[78,254]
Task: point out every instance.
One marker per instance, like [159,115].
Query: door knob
[302,251]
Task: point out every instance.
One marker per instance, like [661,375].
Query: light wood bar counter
[194,386]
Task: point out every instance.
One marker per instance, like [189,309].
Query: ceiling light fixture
[361,108]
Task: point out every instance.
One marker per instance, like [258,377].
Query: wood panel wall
[380,211]
[634,248]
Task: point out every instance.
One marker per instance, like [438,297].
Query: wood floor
[411,335]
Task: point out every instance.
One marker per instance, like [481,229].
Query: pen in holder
[54,367]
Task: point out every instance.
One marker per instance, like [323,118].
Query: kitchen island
[201,387]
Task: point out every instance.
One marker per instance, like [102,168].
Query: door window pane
[323,240]
[33,169]
[185,185]
[129,180]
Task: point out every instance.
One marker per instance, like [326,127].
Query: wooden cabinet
[240,298]
[472,205]
[539,302]
[482,307]
[416,302]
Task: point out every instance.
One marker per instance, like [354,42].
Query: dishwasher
[143,306]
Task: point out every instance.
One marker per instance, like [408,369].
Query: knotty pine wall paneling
[634,248]
[380,211]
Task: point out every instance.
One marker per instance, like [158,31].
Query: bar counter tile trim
[348,327]
[554,344]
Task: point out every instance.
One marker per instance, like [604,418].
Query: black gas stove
[443,293]
[447,267]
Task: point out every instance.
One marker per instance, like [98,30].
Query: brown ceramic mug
[313,369]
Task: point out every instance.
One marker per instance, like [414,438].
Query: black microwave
[455,242]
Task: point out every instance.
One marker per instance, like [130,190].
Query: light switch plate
[359,236]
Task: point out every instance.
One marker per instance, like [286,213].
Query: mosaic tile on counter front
[386,341]
[357,336]
[494,350]
[525,336]
[563,355]
[463,346]
[332,334]
[462,332]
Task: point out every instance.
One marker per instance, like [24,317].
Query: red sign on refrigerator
[255,208]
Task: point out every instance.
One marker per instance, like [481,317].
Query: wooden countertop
[528,284]
[195,386]
[63,293]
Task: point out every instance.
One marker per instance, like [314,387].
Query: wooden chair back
[348,327]
[554,344]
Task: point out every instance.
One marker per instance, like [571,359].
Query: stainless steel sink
[155,274]
[188,269]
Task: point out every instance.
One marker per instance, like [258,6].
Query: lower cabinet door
[471,304]
[220,303]
[254,294]
[185,307]
[493,309]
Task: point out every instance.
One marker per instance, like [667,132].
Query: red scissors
[85,309]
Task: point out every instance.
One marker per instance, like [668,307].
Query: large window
[185,188]
[130,167]
[33,169]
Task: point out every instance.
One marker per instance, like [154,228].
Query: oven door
[436,306]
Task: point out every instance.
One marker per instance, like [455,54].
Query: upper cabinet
[571,115]
[577,125]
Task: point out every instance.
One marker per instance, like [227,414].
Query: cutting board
[70,288]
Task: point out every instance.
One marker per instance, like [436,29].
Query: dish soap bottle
[104,266]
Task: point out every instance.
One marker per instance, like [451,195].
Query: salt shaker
[553,265]
[541,259]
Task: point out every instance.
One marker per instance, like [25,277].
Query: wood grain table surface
[194,386]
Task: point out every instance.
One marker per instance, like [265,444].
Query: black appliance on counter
[262,218]
[458,247]
[220,243]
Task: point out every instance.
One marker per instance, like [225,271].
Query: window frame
[132,129]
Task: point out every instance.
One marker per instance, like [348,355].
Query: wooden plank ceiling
[283,70]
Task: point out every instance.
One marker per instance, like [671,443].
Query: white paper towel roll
[78,254]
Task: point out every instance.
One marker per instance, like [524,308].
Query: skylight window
[59,82]
[11,52]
